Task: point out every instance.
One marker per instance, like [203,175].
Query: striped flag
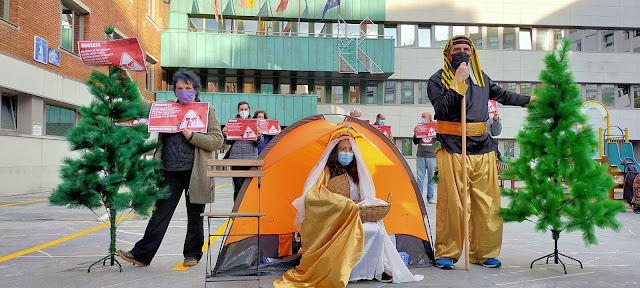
[282,6]
[216,7]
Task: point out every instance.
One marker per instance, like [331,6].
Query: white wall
[30,164]
[595,13]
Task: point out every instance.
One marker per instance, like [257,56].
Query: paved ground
[614,262]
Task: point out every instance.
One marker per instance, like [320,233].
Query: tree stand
[112,246]
[556,254]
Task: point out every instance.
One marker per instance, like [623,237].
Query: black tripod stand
[556,254]
[104,259]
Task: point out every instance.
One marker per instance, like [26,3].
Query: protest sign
[270,127]
[242,129]
[125,53]
[173,117]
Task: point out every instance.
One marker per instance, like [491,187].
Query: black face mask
[459,58]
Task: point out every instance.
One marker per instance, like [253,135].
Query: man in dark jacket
[461,77]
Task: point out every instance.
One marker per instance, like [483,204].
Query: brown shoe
[189,262]
[127,256]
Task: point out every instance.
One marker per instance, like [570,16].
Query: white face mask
[244,114]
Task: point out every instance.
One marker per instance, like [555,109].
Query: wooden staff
[463,115]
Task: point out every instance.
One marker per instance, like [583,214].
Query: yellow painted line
[212,239]
[25,202]
[46,245]
[182,198]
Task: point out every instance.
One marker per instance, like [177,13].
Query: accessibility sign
[40,49]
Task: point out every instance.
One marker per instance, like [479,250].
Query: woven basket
[373,213]
[340,185]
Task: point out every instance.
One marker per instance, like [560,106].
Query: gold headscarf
[447,73]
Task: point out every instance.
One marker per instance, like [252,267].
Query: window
[58,120]
[319,90]
[575,36]
[390,32]
[150,79]
[423,98]
[354,93]
[475,33]
[337,92]
[319,28]
[607,41]
[408,35]
[390,92]
[372,30]
[249,85]
[441,34]
[591,92]
[524,39]
[424,37]
[212,83]
[266,27]
[4,9]
[231,85]
[458,30]
[509,41]
[70,29]
[303,29]
[406,91]
[636,96]
[250,27]
[301,87]
[230,25]
[372,92]
[405,145]
[542,39]
[623,97]
[196,24]
[622,40]
[492,37]
[526,89]
[8,112]
[557,36]
[607,96]
[509,148]
[590,40]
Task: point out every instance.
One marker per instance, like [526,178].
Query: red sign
[426,131]
[172,117]
[270,127]
[242,129]
[493,105]
[125,53]
[386,130]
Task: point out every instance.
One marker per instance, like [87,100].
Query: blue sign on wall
[54,57]
[40,50]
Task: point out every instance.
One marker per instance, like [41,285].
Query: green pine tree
[110,170]
[555,153]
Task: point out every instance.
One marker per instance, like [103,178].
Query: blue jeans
[426,166]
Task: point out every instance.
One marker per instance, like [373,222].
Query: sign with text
[386,130]
[173,117]
[242,129]
[270,127]
[40,49]
[492,105]
[426,131]
[54,57]
[125,53]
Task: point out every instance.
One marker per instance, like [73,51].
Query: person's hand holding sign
[187,134]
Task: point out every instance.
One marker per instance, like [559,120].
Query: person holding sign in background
[494,123]
[183,157]
[461,77]
[262,114]
[242,149]
[426,159]
[381,121]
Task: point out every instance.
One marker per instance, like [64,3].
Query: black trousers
[147,247]
[238,181]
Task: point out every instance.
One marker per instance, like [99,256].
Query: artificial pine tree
[555,151]
[111,170]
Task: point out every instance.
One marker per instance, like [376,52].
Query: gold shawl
[332,240]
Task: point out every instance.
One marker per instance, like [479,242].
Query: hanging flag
[216,6]
[262,27]
[282,6]
[247,4]
[330,4]
[287,28]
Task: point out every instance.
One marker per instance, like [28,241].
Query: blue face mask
[381,122]
[424,120]
[345,158]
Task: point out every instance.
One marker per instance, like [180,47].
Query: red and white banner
[242,129]
[426,131]
[270,127]
[125,53]
[386,130]
[173,117]
[492,106]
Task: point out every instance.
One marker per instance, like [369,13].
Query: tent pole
[463,113]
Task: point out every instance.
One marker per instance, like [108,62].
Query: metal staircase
[349,51]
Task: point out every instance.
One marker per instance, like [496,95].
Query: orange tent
[289,158]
